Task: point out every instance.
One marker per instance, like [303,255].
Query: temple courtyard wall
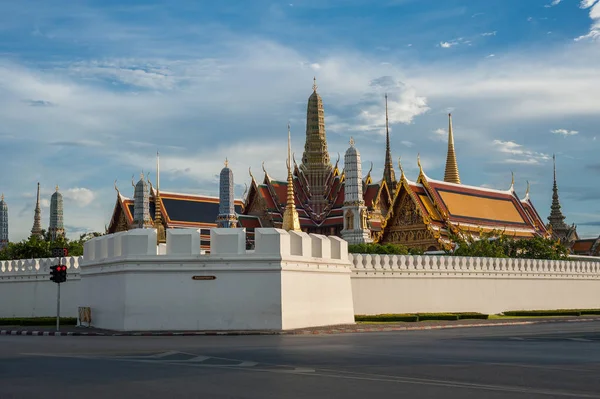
[290,280]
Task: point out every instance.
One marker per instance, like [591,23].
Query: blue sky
[90,90]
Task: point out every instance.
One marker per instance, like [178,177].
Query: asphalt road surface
[560,360]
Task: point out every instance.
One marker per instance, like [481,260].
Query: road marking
[580,339]
[517,338]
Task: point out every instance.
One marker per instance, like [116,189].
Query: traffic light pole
[58,309]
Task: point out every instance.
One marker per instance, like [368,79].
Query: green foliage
[558,312]
[41,247]
[37,321]
[382,249]
[419,317]
[497,245]
[387,317]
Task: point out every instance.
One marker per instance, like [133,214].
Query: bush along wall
[419,317]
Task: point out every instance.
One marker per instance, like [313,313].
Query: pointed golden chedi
[451,175]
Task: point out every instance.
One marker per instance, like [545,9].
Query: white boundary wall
[418,284]
[291,280]
[26,289]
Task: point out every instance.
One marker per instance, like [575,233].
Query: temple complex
[37,217]
[56,227]
[318,197]
[3,223]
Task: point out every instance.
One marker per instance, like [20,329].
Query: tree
[496,245]
[41,247]
[382,249]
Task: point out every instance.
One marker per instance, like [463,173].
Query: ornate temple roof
[179,210]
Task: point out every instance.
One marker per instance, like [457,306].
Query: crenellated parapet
[37,269]
[472,267]
[225,242]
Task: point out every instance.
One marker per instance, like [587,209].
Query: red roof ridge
[491,190]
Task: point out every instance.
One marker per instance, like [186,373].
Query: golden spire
[158,223]
[419,163]
[226,162]
[512,181]
[57,187]
[2,197]
[388,171]
[315,84]
[451,175]
[401,169]
[527,192]
[290,216]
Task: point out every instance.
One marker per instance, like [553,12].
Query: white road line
[517,338]
[580,339]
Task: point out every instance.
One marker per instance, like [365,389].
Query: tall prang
[3,223]
[141,205]
[56,228]
[37,217]
[316,165]
[560,230]
[356,230]
[451,174]
[388,172]
[227,217]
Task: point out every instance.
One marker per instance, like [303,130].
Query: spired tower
[316,165]
[451,175]
[355,229]
[388,172]
[560,230]
[56,228]
[291,221]
[141,205]
[37,218]
[3,223]
[227,217]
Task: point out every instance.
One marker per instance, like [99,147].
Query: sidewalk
[343,329]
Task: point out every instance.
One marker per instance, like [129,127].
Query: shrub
[464,316]
[590,311]
[37,321]
[387,317]
[534,313]
[437,316]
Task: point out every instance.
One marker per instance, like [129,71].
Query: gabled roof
[477,208]
[178,210]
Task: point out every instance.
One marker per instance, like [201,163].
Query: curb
[346,330]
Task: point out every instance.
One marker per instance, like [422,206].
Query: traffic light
[60,252]
[62,273]
[58,274]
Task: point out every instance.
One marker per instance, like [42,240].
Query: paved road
[541,361]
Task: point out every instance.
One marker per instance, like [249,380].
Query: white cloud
[489,33]
[518,153]
[79,195]
[553,3]
[594,6]
[564,132]
[447,44]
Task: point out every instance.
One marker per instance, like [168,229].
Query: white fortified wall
[26,289]
[411,284]
[291,280]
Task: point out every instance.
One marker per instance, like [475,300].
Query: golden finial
[400,167]
[351,141]
[291,220]
[133,180]
[2,198]
[226,163]
[289,154]
[315,84]
[512,182]
[245,191]
[419,163]
[263,168]
[116,188]
[527,191]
